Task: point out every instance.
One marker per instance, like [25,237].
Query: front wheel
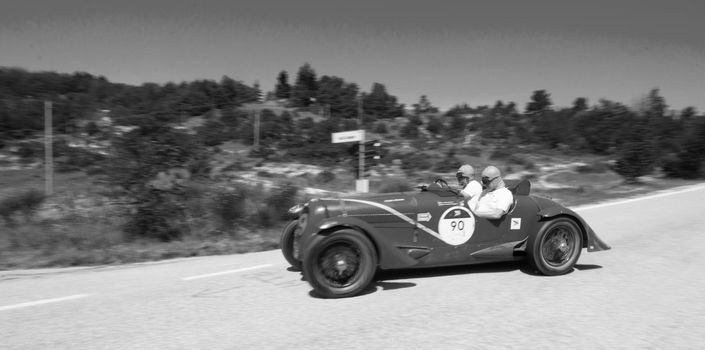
[556,247]
[287,245]
[341,264]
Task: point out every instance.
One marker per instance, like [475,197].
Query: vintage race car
[341,241]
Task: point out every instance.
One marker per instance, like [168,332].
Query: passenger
[469,187]
[495,200]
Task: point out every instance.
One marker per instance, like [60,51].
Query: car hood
[368,204]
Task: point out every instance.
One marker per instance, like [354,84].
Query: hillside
[197,168]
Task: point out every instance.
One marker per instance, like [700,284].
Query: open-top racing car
[341,241]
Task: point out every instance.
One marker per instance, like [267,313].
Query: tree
[456,128]
[411,129]
[636,155]
[381,105]
[459,110]
[424,106]
[213,132]
[688,163]
[305,87]
[282,90]
[600,128]
[510,109]
[555,128]
[688,113]
[257,91]
[654,105]
[540,102]
[666,131]
[434,125]
[338,96]
[152,164]
[580,104]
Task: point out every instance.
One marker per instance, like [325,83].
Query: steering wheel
[442,183]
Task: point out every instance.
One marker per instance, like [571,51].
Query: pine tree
[540,101]
[282,90]
[305,87]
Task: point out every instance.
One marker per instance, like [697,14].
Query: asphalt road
[648,292]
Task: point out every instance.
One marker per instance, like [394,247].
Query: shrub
[261,152]
[635,159]
[448,164]
[213,133]
[79,159]
[27,151]
[325,176]
[264,216]
[522,160]
[158,215]
[416,161]
[501,153]
[281,199]
[473,151]
[235,166]
[26,202]
[229,206]
[684,166]
[263,173]
[381,128]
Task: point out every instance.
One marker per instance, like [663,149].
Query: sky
[452,51]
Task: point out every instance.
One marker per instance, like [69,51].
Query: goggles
[486,180]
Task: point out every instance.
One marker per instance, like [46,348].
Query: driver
[495,200]
[469,187]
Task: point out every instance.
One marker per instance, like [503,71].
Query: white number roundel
[456,225]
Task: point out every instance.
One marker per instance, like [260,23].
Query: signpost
[361,185]
[349,136]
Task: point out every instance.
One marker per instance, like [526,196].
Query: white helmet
[467,171]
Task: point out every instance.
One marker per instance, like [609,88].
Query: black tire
[556,247]
[286,244]
[341,264]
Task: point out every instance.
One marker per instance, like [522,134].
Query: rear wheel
[341,264]
[287,246]
[556,247]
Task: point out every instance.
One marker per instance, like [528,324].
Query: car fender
[591,241]
[389,255]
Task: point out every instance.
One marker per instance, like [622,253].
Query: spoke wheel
[556,247]
[341,264]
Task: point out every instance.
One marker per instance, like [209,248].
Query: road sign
[348,136]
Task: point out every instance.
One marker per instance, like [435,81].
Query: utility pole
[256,131]
[48,150]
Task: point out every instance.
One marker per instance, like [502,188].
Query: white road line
[225,272]
[43,301]
[625,201]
